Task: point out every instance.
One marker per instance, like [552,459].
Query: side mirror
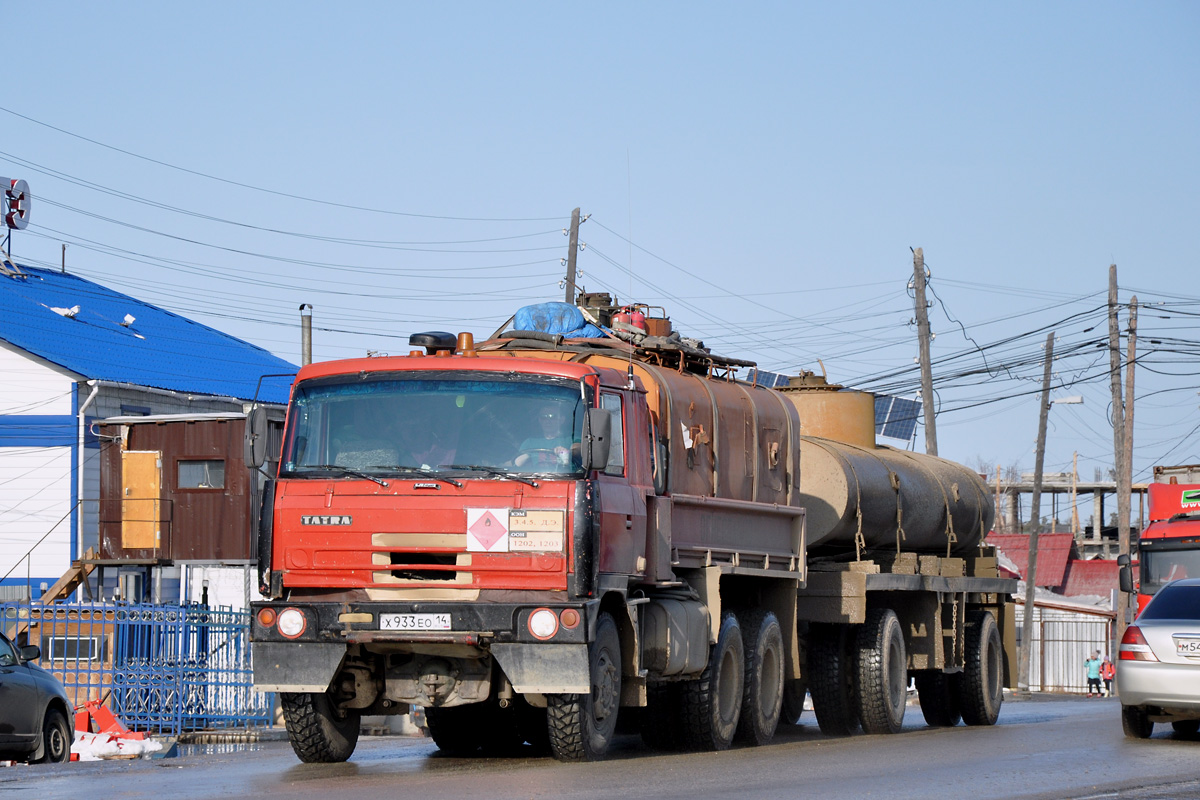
[1123,560]
[1125,579]
[254,447]
[597,427]
[31,652]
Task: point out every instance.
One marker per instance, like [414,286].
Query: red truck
[530,537]
[1169,547]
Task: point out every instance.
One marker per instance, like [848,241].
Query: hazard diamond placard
[487,530]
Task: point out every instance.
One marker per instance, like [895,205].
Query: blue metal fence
[161,668]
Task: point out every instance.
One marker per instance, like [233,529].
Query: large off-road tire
[319,732]
[460,731]
[661,721]
[1136,722]
[882,673]
[939,698]
[762,697]
[712,704]
[581,726]
[56,738]
[792,708]
[981,684]
[831,680]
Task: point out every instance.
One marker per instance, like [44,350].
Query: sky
[760,170]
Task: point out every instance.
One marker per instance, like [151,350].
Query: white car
[1158,669]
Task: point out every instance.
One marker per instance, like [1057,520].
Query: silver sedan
[1158,669]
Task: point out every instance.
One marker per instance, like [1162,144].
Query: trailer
[531,537]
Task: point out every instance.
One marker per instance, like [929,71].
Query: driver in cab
[555,448]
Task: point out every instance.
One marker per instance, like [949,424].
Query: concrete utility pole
[1125,479]
[572,249]
[923,344]
[1035,503]
[305,334]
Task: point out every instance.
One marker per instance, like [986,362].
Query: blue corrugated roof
[158,348]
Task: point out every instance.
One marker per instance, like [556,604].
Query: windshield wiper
[495,471]
[424,473]
[348,471]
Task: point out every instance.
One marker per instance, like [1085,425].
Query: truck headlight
[543,623]
[292,622]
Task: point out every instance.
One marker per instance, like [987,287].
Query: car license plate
[414,622]
[1187,647]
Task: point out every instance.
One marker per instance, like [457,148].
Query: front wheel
[582,726]
[459,731]
[56,739]
[319,732]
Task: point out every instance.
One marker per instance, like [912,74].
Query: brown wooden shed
[175,488]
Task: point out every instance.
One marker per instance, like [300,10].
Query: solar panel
[896,417]
[771,380]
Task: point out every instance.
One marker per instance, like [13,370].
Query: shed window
[74,648]
[202,474]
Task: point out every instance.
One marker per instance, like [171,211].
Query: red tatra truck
[1169,547]
[531,537]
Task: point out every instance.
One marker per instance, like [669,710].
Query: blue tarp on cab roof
[561,318]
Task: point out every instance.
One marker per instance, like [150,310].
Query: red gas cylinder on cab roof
[630,316]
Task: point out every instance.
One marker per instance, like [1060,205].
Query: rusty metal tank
[925,503]
[831,412]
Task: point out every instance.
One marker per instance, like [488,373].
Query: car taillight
[543,623]
[1134,646]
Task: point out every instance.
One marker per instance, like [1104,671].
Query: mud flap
[295,666]
[545,668]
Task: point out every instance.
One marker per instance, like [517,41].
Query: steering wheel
[541,456]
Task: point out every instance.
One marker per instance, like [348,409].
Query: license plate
[414,622]
[1187,647]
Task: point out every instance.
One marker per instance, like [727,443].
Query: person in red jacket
[1106,673]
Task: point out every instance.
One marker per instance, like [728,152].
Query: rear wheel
[882,672]
[56,738]
[762,697]
[712,704]
[939,699]
[981,684]
[1136,722]
[318,731]
[831,682]
[581,726]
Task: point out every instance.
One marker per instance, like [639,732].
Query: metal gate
[161,668]
[1062,641]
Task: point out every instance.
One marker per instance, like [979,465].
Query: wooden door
[141,499]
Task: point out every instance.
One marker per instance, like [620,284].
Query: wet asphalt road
[1041,748]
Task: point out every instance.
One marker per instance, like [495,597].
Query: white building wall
[32,386]
[35,481]
[35,498]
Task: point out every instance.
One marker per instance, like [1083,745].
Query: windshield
[396,425]
[1160,567]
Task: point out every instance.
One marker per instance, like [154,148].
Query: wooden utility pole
[1075,496]
[999,512]
[1035,503]
[923,346]
[572,249]
[1125,481]
[1118,422]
